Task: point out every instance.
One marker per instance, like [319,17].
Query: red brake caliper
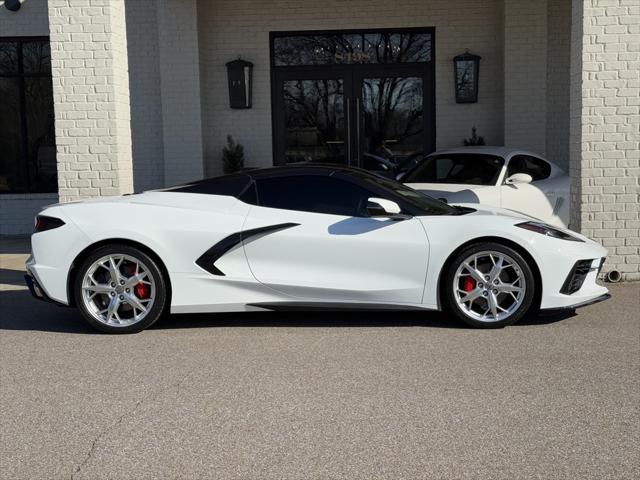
[468,284]
[142,290]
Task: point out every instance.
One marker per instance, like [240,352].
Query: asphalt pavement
[317,396]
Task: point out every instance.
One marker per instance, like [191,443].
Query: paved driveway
[317,395]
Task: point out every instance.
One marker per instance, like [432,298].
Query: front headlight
[548,230]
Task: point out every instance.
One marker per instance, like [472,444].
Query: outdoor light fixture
[239,73]
[13,5]
[465,71]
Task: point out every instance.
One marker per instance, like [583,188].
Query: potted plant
[232,156]
[474,140]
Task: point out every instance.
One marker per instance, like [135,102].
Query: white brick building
[140,95]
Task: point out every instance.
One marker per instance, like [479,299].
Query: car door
[537,198]
[320,245]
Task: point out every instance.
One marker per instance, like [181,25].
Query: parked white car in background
[498,176]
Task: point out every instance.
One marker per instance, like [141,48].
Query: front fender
[554,258]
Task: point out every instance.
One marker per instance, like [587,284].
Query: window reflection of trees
[8,58]
[314,115]
[393,110]
[398,47]
[465,80]
[11,171]
[27,140]
[352,48]
[40,133]
[36,57]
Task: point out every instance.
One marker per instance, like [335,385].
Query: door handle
[348,100]
[358,129]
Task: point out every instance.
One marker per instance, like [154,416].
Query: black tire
[450,302]
[160,283]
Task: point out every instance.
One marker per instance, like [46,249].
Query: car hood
[516,217]
[444,188]
[489,210]
[451,192]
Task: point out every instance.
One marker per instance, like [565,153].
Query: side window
[456,168]
[444,166]
[536,167]
[313,193]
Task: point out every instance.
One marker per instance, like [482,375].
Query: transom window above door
[348,48]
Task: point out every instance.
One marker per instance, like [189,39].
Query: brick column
[605,128]
[91,95]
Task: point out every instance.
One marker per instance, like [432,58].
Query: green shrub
[474,140]
[232,156]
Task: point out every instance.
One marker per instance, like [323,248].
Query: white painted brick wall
[17,212]
[575,110]
[606,128]
[525,74]
[91,97]
[31,20]
[558,72]
[229,28]
[145,95]
[180,90]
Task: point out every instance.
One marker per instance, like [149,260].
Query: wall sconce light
[239,73]
[13,5]
[465,70]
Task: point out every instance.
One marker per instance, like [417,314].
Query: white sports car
[497,176]
[303,237]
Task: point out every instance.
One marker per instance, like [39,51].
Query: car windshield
[424,203]
[464,168]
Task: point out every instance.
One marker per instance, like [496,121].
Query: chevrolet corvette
[303,237]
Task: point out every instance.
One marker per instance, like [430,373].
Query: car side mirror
[381,207]
[517,178]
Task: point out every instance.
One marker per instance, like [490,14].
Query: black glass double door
[376,117]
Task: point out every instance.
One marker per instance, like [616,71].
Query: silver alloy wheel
[489,286]
[118,290]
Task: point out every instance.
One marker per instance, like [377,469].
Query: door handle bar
[358,130]
[348,100]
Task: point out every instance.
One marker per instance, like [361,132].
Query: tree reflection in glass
[314,119]
[465,81]
[393,118]
[348,48]
[27,134]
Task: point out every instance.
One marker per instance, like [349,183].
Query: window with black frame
[536,167]
[353,97]
[27,134]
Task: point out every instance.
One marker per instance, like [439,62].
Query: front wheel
[488,285]
[120,289]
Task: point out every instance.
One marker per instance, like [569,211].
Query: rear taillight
[47,223]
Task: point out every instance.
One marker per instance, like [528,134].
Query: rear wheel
[489,285]
[120,289]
